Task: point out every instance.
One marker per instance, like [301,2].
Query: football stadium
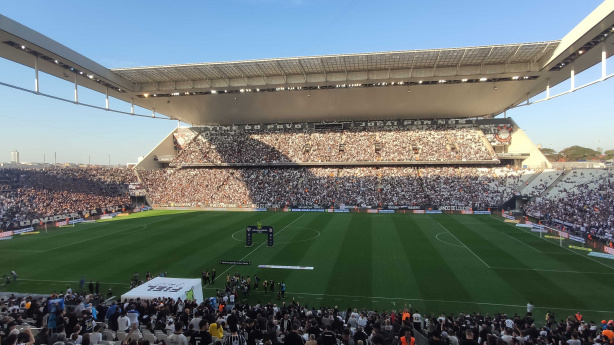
[310,200]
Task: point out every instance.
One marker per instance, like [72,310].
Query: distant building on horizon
[15,157]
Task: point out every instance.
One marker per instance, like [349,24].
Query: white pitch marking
[440,240]
[459,241]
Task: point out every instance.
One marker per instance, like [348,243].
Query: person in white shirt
[133,315]
[362,320]
[417,318]
[530,308]
[509,323]
[178,338]
[123,322]
[96,336]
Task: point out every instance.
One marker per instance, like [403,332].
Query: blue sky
[142,33]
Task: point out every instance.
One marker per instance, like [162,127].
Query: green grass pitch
[436,263]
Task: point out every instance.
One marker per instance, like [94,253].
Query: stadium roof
[255,72]
[436,83]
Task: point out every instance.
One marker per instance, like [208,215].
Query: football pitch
[437,263]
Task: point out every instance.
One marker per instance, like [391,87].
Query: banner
[562,222]
[6,234]
[287,267]
[511,221]
[608,250]
[6,238]
[577,239]
[23,231]
[510,217]
[602,255]
[75,215]
[539,230]
[524,225]
[454,208]
[372,211]
[538,227]
[419,211]
[307,210]
[107,216]
[564,234]
[466,212]
[482,212]
[259,209]
[433,211]
[386,211]
[239,263]
[554,237]
[580,248]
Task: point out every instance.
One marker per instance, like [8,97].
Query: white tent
[174,288]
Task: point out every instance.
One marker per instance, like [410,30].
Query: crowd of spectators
[428,143]
[588,206]
[88,321]
[365,186]
[35,193]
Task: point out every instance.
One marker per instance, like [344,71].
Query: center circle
[315,235]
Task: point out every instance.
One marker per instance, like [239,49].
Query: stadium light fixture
[464,80]
[242,90]
[581,51]
[525,77]
[23,47]
[515,77]
[483,79]
[146,95]
[213,92]
[420,82]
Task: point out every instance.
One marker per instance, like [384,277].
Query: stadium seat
[109,334]
[150,337]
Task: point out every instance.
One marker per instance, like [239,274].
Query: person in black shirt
[293,338]
[360,335]
[253,333]
[202,337]
[468,338]
[328,337]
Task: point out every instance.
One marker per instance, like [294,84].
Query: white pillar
[76,90]
[548,89]
[107,95]
[36,89]
[132,105]
[603,59]
[573,77]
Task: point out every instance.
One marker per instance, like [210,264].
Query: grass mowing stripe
[388,249]
[347,271]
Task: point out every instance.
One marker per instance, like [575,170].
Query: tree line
[577,153]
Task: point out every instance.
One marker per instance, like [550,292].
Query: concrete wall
[522,144]
[165,147]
